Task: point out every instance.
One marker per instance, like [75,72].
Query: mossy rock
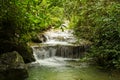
[26,52]
[22,48]
[12,67]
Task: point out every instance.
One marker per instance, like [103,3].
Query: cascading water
[58,48]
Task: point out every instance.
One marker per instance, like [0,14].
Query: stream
[58,59]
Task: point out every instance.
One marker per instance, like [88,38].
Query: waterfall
[59,44]
[58,48]
[44,52]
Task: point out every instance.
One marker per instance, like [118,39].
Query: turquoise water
[71,71]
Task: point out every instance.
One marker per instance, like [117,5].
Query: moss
[12,66]
[26,52]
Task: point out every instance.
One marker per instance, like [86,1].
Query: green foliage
[107,34]
[107,38]
[99,22]
[21,19]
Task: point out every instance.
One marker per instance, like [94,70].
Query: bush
[107,36]
[99,22]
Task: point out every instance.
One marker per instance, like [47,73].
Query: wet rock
[70,51]
[12,67]
[22,48]
[26,52]
[39,38]
[67,51]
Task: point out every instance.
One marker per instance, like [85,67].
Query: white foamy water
[54,42]
[53,62]
[45,56]
[58,36]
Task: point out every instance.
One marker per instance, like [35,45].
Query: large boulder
[12,67]
[22,48]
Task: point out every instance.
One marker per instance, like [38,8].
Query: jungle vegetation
[95,20]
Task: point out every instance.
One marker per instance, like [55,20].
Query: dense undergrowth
[99,22]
